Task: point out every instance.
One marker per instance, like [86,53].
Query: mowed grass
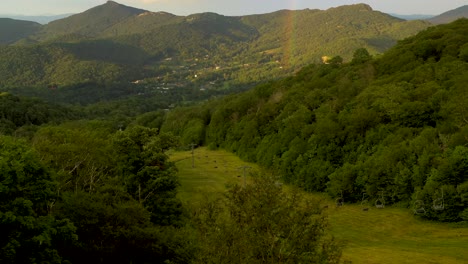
[378,236]
[212,172]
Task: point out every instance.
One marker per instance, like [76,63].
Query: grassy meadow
[389,235]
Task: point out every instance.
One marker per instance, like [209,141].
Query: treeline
[84,191]
[69,63]
[20,114]
[390,129]
[94,184]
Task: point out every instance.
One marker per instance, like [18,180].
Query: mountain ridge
[12,30]
[241,50]
[91,22]
[450,16]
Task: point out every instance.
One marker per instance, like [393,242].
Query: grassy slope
[390,235]
[213,171]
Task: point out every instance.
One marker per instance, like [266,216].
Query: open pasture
[384,236]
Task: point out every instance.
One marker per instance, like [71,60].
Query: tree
[79,153]
[262,223]
[146,172]
[30,233]
[337,60]
[360,56]
[115,228]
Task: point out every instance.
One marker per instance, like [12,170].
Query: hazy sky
[227,7]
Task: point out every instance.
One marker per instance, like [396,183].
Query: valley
[200,51]
[385,236]
[295,136]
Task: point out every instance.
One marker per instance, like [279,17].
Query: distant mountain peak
[112,3]
[94,21]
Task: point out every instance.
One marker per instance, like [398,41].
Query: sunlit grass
[212,172]
[389,235]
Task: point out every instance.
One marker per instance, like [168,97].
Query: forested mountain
[307,35]
[114,43]
[12,30]
[90,23]
[393,129]
[450,16]
[69,63]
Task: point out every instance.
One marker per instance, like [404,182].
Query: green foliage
[16,112]
[79,153]
[27,194]
[148,175]
[117,190]
[360,56]
[12,30]
[262,223]
[386,126]
[113,227]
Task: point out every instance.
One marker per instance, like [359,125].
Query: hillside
[114,43]
[301,37]
[141,23]
[393,232]
[192,36]
[12,30]
[90,23]
[394,128]
[69,63]
[450,16]
[17,112]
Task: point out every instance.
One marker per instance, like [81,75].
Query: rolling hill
[12,30]
[393,128]
[310,34]
[90,23]
[450,16]
[198,49]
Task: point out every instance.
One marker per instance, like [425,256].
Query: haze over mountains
[41,19]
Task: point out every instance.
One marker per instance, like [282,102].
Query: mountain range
[114,42]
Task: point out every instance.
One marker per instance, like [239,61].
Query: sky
[227,7]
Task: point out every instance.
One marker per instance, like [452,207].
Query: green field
[389,235]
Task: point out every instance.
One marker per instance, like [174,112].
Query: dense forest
[84,191]
[392,129]
[85,174]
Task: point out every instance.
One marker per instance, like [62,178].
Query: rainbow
[290,34]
